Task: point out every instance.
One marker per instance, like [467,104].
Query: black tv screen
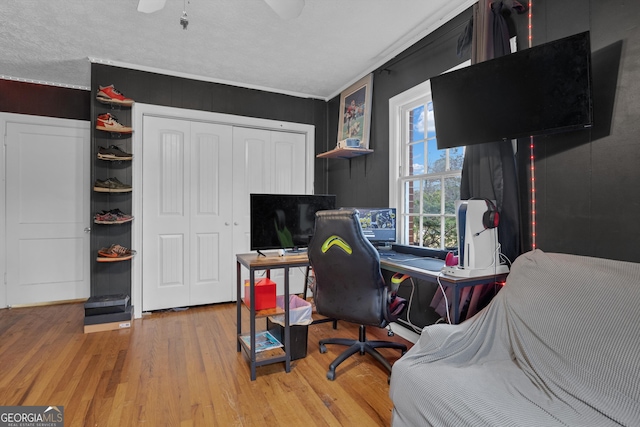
[538,91]
[285,221]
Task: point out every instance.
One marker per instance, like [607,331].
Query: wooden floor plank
[182,369]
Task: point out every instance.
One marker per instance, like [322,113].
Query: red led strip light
[532,159]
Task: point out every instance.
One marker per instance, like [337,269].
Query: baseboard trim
[42,304]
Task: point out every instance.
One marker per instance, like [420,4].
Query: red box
[265,294]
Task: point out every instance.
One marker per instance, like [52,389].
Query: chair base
[362,346]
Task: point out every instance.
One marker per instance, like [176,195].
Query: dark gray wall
[587,182]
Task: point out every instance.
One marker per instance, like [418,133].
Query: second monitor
[378,225]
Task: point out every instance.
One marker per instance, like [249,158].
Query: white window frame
[399,105]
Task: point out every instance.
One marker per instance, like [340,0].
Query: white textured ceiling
[329,46]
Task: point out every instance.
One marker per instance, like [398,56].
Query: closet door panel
[252,173]
[166,214]
[289,171]
[288,162]
[211,213]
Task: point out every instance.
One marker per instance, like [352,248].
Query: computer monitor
[378,225]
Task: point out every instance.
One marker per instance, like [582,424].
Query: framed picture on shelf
[354,122]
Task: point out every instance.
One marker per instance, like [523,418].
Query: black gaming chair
[349,285]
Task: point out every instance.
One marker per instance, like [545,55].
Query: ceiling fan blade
[150,6]
[286,9]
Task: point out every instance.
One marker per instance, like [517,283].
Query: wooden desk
[254,262]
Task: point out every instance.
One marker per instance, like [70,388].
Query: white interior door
[47,210]
[187,213]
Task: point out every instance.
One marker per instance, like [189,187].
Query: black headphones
[491,217]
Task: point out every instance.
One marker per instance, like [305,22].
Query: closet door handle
[235,223]
[226,223]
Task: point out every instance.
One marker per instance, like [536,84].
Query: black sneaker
[113,153]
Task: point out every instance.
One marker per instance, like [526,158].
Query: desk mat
[430,264]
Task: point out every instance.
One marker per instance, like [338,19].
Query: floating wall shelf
[344,153]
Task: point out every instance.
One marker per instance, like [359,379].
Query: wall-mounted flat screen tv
[285,221]
[538,91]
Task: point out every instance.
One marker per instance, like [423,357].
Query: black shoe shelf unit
[111,275]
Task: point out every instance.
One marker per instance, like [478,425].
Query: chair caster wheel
[331,375]
[323,348]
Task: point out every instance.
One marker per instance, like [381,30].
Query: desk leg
[306,283]
[455,304]
[252,322]
[238,305]
[287,331]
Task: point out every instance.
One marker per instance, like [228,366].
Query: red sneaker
[111,95]
[109,123]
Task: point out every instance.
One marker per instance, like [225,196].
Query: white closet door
[47,210]
[197,178]
[264,162]
[187,213]
[211,213]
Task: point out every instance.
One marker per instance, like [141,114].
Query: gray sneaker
[113,153]
[111,185]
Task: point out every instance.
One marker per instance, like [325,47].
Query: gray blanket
[558,346]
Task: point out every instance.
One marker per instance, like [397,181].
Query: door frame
[139,110]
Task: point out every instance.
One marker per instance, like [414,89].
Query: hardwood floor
[182,369]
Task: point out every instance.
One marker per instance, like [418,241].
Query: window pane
[412,197]
[431,126]
[450,235]
[451,194]
[416,124]
[456,157]
[436,159]
[414,232]
[416,159]
[431,196]
[431,232]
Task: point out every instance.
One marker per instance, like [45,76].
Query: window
[425,181]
